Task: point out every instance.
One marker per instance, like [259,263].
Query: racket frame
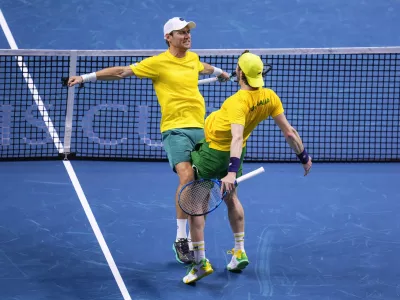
[219,183]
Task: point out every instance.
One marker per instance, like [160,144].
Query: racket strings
[200,197]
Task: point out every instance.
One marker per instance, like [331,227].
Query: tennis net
[344,102]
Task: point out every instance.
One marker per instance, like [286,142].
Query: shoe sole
[200,277]
[242,265]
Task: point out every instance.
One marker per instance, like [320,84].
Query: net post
[70,105]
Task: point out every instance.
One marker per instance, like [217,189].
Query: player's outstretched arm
[211,70]
[112,73]
[294,140]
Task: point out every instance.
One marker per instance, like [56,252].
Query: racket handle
[250,175]
[232,77]
[208,80]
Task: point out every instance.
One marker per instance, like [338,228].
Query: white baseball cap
[177,24]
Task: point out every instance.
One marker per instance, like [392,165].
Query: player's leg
[207,164]
[178,144]
[236,217]
[235,212]
[181,246]
[185,174]
[201,266]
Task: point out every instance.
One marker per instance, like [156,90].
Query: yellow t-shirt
[247,108]
[175,81]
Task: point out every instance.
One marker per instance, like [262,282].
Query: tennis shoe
[182,252]
[198,271]
[239,260]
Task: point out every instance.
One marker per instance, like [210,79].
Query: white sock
[199,250]
[239,240]
[181,229]
[190,241]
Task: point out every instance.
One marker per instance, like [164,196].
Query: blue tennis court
[331,235]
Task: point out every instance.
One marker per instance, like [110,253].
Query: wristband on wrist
[234,164]
[91,77]
[303,156]
[217,71]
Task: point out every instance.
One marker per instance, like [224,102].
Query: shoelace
[202,263]
[232,251]
[238,253]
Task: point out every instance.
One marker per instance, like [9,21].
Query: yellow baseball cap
[252,66]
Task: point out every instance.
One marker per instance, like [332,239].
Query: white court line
[96,229]
[67,164]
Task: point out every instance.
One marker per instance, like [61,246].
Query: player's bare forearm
[208,69]
[114,73]
[237,140]
[228,182]
[294,140]
[236,146]
[211,70]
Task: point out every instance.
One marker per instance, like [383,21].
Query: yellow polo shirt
[247,108]
[175,82]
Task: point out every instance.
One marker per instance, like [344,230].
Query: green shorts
[179,143]
[212,164]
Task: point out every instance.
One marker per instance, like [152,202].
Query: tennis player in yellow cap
[220,155]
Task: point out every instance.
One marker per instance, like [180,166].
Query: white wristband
[217,71]
[89,77]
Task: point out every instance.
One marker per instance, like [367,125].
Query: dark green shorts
[179,143]
[212,164]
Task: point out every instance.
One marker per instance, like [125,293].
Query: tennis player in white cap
[175,75]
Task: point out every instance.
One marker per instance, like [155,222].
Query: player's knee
[185,172]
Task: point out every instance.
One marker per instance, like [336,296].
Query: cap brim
[191,24]
[255,82]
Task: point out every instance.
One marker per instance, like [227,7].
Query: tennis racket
[232,76]
[200,197]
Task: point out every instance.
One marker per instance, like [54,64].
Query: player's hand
[307,166]
[224,77]
[228,182]
[73,80]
